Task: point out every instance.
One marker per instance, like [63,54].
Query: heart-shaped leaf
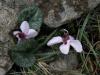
[23,59]
[23,53]
[33,15]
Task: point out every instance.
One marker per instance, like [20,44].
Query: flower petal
[32,33]
[24,27]
[71,37]
[76,44]
[64,48]
[55,40]
[16,32]
[19,39]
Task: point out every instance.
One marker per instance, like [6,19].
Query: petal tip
[16,32]
[64,48]
[48,44]
[24,27]
[54,40]
[80,51]
[24,22]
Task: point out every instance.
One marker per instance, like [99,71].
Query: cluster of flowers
[66,40]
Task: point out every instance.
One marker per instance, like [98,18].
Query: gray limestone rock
[17,4]
[7,23]
[57,12]
[67,62]
[65,65]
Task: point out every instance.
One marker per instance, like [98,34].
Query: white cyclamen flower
[67,41]
[25,32]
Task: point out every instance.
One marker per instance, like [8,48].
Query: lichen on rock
[59,12]
[7,23]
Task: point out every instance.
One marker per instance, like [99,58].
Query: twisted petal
[64,48]
[55,40]
[76,44]
[32,33]
[24,27]
[19,39]
[16,32]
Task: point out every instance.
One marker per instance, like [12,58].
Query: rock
[7,23]
[59,12]
[17,4]
[63,65]
[67,62]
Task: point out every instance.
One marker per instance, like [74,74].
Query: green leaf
[33,15]
[23,59]
[23,53]
[80,34]
[25,45]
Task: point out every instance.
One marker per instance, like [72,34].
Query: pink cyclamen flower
[25,32]
[67,41]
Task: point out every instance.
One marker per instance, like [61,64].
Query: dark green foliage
[23,53]
[33,15]
[25,45]
[23,59]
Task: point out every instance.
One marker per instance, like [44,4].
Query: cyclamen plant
[25,32]
[67,41]
[23,53]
